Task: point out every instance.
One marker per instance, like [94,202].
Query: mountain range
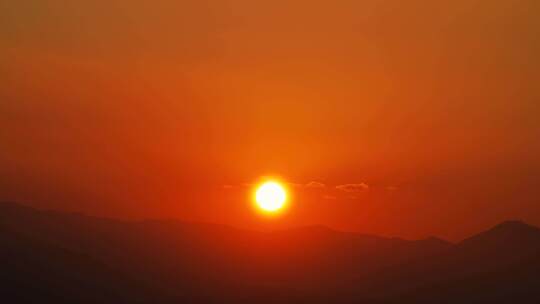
[59,257]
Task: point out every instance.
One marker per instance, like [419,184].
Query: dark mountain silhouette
[519,236]
[500,265]
[72,258]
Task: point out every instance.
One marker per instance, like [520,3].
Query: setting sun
[270,196]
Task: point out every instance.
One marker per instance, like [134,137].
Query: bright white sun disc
[271,196]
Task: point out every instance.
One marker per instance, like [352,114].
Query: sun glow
[271,196]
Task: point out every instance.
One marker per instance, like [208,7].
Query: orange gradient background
[384,117]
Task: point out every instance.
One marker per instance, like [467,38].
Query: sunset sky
[406,118]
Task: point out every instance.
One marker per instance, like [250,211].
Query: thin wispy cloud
[353,188]
[314,184]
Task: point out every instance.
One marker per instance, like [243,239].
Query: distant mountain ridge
[514,232]
[170,262]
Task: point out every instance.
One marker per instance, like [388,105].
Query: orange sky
[170,108]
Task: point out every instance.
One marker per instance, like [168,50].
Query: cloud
[330,197]
[314,184]
[353,188]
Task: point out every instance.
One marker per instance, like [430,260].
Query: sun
[271,196]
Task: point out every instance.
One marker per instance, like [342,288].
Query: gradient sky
[408,118]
